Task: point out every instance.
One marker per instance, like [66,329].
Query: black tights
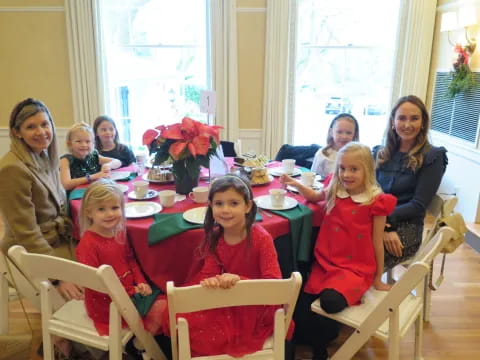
[316,330]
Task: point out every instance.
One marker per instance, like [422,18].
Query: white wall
[462,176]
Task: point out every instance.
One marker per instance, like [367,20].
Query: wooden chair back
[245,292]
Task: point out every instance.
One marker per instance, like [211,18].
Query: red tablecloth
[174,258]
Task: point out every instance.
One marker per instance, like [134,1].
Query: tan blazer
[31,201]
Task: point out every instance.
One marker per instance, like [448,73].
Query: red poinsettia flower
[191,135]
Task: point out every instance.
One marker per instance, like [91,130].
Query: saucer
[278,171]
[149,195]
[265,202]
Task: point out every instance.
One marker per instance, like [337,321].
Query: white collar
[361,198]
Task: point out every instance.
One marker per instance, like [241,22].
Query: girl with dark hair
[342,130]
[410,168]
[234,249]
[108,143]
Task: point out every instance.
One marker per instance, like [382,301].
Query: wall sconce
[464,17]
[467,16]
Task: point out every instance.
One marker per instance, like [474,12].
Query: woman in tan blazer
[32,199]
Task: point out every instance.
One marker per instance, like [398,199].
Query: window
[344,60]
[156,60]
[458,116]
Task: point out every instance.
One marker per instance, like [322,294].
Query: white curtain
[224,61]
[276,79]
[81,33]
[414,48]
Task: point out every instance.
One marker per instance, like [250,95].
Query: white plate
[119,175]
[145,177]
[195,215]
[265,202]
[141,209]
[122,187]
[149,195]
[270,179]
[316,186]
[278,171]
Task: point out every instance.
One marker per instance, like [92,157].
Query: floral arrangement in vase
[187,145]
[462,77]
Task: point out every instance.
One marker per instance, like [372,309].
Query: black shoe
[320,353]
[165,344]
[132,351]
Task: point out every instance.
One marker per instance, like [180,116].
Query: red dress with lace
[344,252]
[242,329]
[96,250]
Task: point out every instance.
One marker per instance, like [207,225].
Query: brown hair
[330,141]
[414,159]
[96,124]
[213,231]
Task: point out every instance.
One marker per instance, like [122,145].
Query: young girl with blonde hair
[349,248]
[104,241]
[83,165]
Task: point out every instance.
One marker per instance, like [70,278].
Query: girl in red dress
[349,248]
[234,249]
[104,241]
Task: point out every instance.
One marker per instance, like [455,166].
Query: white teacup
[288,166]
[167,198]
[277,197]
[141,188]
[199,194]
[307,178]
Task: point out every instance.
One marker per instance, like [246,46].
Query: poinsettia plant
[462,77]
[187,145]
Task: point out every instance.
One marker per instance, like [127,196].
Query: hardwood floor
[452,334]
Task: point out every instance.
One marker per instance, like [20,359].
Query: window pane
[155,60]
[344,63]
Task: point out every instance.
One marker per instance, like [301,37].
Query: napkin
[144,303]
[166,225]
[132,176]
[300,218]
[76,194]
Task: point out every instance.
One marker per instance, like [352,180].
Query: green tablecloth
[300,218]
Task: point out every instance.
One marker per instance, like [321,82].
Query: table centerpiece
[187,145]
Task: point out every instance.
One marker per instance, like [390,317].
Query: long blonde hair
[78,127]
[414,158]
[97,192]
[366,159]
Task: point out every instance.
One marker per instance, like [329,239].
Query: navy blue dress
[414,191]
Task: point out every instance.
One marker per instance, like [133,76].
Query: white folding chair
[245,292]
[10,275]
[71,321]
[439,208]
[389,314]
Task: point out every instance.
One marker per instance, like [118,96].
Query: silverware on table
[265,213]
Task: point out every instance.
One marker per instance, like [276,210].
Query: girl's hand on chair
[227,280]
[70,291]
[143,289]
[211,282]
[378,284]
[392,243]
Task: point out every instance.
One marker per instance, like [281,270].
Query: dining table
[178,257]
